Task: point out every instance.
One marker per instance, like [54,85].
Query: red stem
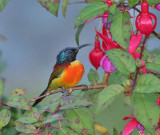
[138,69]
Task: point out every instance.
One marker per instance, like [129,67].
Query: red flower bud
[158,101]
[109,2]
[96,54]
[144,20]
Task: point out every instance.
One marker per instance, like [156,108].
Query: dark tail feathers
[39,100]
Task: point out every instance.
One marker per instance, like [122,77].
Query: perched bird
[67,71]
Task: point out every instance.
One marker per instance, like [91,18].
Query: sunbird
[67,71]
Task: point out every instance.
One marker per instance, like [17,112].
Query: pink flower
[106,64]
[134,42]
[131,125]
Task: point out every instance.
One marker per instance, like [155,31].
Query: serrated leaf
[52,118]
[91,11]
[79,29]
[64,7]
[122,60]
[153,64]
[147,83]
[81,121]
[27,120]
[19,102]
[1,88]
[3,3]
[116,78]
[72,102]
[51,5]
[146,110]
[121,29]
[93,76]
[131,3]
[5,116]
[153,2]
[107,96]
[26,128]
[66,131]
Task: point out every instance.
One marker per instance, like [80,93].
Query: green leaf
[107,96]
[64,6]
[121,29]
[3,3]
[131,3]
[5,116]
[1,88]
[122,60]
[93,76]
[112,9]
[71,102]
[146,110]
[52,107]
[19,102]
[66,131]
[153,64]
[147,83]
[26,128]
[52,118]
[81,121]
[2,65]
[153,2]
[91,11]
[79,29]
[51,5]
[28,120]
[116,78]
[34,113]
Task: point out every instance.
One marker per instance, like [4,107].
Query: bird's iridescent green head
[69,54]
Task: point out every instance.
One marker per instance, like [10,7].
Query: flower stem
[138,68]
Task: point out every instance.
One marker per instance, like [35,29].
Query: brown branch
[70,90]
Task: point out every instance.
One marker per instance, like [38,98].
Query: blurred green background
[34,38]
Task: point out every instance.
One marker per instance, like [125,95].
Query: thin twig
[70,90]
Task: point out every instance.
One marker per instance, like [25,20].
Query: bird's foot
[65,92]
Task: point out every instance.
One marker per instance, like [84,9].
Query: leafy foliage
[90,11]
[3,3]
[5,116]
[121,29]
[107,96]
[76,114]
[51,5]
[146,110]
[122,60]
[80,120]
[93,76]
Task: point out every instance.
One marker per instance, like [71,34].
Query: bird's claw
[65,92]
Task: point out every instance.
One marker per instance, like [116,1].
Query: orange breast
[72,74]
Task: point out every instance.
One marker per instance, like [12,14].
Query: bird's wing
[58,70]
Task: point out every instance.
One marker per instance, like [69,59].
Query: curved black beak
[81,46]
